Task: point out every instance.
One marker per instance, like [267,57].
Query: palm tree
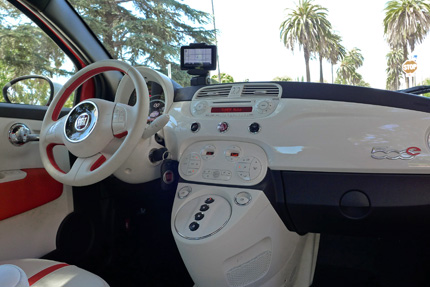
[406,24]
[394,68]
[307,25]
[356,57]
[323,53]
[337,53]
[347,72]
[333,51]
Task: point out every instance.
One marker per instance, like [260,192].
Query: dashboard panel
[223,162]
[311,136]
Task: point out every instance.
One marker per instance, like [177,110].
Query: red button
[222,127]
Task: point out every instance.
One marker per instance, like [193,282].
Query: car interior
[143,182]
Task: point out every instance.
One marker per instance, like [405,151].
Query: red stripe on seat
[36,277]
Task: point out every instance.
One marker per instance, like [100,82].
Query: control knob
[200,107]
[264,106]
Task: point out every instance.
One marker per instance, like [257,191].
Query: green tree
[426,82]
[347,72]
[225,78]
[26,50]
[330,49]
[307,26]
[406,24]
[147,32]
[394,69]
[283,79]
[24,47]
[5,76]
[336,51]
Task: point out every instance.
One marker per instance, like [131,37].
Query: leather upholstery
[64,276]
[12,276]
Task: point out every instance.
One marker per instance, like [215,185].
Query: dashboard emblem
[388,153]
[82,122]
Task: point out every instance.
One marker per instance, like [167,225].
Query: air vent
[213,92]
[260,90]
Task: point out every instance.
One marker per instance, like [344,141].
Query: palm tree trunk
[405,57]
[396,83]
[321,71]
[332,79]
[307,56]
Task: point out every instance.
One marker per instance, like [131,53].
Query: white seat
[12,276]
[47,273]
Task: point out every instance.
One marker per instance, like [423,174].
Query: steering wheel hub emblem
[81,121]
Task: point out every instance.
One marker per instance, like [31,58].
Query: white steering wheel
[101,134]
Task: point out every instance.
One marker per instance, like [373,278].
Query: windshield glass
[366,45]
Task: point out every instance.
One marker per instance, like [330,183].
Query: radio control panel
[223,162]
[238,100]
[252,108]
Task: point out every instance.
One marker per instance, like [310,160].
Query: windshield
[366,44]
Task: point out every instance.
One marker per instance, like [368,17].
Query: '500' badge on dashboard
[388,153]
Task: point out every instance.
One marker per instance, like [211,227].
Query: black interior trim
[28,112]
[397,203]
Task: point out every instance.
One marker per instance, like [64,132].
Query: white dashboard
[303,134]
[256,158]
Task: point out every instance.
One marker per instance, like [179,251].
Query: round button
[204,207]
[184,192]
[168,177]
[195,127]
[209,200]
[355,204]
[242,198]
[222,127]
[263,105]
[254,128]
[194,226]
[199,216]
[200,107]
[216,173]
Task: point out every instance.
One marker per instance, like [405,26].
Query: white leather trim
[69,276]
[32,234]
[12,276]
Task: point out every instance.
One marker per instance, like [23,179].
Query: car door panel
[32,203]
[35,189]
[32,234]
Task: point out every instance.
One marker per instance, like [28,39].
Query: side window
[32,66]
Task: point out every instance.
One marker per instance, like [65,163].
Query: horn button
[81,122]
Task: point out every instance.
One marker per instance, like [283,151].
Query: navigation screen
[198,56]
[195,57]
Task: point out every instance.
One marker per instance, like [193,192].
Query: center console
[227,232]
[225,226]
[233,237]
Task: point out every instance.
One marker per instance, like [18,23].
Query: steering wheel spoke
[122,120]
[84,166]
[54,132]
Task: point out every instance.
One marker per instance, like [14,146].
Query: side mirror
[30,90]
